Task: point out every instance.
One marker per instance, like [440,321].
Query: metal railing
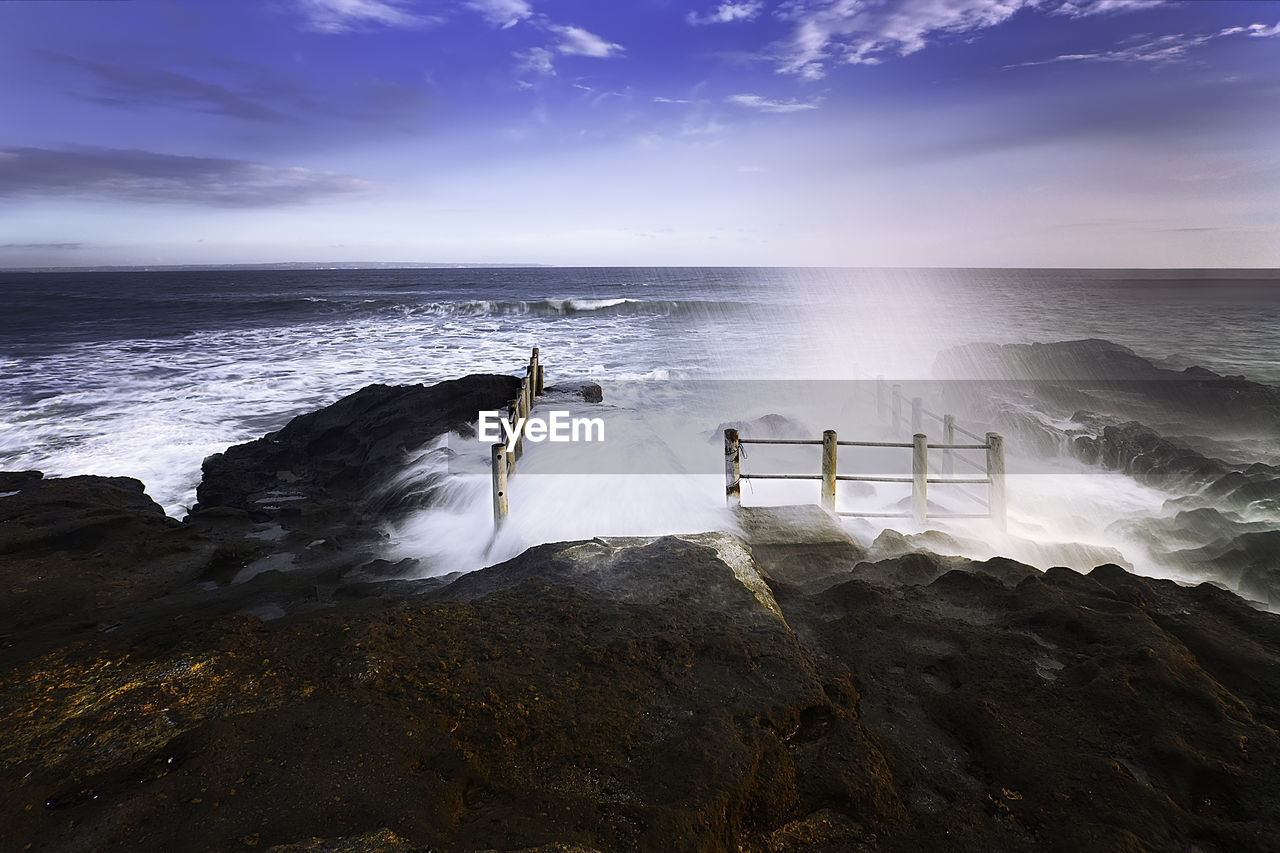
[889,401]
[920,480]
[503,462]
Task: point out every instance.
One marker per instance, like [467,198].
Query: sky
[1013,133]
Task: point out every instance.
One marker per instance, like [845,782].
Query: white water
[82,398]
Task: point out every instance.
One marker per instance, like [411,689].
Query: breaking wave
[575,306]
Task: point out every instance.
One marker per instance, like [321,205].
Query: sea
[145,373]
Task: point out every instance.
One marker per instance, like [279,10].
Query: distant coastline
[287,265]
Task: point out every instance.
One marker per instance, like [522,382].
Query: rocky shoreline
[762,692]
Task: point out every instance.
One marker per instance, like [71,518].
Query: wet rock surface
[320,472]
[679,693]
[244,680]
[1107,406]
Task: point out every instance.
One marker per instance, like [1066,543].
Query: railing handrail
[892,402]
[902,444]
[780,441]
[920,479]
[502,463]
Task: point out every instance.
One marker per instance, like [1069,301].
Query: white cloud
[863,32]
[575,41]
[727,13]
[501,13]
[1167,48]
[537,60]
[699,127]
[661,100]
[337,16]
[1173,47]
[764,105]
[1086,8]
[856,31]
[1263,31]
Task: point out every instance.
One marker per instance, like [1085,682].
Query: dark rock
[319,471]
[16,481]
[590,392]
[665,694]
[255,677]
[632,694]
[765,426]
[71,548]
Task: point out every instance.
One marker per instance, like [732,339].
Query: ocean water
[143,374]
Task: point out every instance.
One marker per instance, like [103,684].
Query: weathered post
[996,499]
[882,399]
[897,407]
[498,457]
[732,481]
[540,379]
[948,437]
[919,478]
[829,470]
[522,411]
[513,418]
[917,415]
[534,367]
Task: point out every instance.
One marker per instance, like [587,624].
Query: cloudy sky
[810,132]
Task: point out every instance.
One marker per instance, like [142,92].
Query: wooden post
[732,481]
[948,437]
[540,380]
[534,367]
[513,414]
[917,415]
[897,407]
[882,399]
[996,498]
[919,478]
[829,470]
[498,457]
[522,411]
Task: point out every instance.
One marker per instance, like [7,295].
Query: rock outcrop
[319,472]
[673,694]
[228,683]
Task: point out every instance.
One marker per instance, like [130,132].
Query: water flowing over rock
[787,690]
[323,465]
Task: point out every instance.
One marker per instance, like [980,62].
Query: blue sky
[808,132]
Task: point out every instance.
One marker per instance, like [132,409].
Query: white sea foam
[154,407]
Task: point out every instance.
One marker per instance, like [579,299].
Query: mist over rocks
[320,469]
[1106,368]
[1039,400]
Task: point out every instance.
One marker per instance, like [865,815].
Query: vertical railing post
[498,457]
[919,478]
[522,411]
[732,470]
[996,498]
[829,470]
[897,408]
[513,418]
[882,399]
[917,415]
[948,437]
